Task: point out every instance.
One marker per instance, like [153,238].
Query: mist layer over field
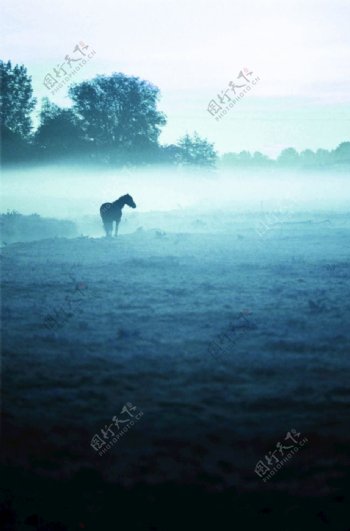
[64,191]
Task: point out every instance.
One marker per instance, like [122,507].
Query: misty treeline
[16,227]
[114,120]
[290,158]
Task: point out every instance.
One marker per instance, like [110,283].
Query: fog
[70,192]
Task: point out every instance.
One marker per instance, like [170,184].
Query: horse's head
[128,200]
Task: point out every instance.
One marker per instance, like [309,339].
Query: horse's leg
[108,226]
[116,229]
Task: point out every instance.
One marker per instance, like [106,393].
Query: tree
[197,151]
[260,159]
[16,99]
[60,131]
[119,112]
[307,158]
[244,157]
[342,153]
[169,153]
[48,111]
[13,146]
[322,157]
[229,159]
[288,157]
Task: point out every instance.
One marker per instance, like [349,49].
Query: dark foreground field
[225,342]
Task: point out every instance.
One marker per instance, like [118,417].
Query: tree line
[291,158]
[115,120]
[112,119]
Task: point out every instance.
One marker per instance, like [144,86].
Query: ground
[225,341]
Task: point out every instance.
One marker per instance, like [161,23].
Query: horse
[113,212]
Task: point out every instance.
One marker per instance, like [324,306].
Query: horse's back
[110,212]
[105,208]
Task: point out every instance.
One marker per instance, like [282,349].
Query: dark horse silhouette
[113,212]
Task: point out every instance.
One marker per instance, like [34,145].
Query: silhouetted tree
[13,147]
[119,113]
[170,153]
[16,99]
[16,105]
[48,111]
[196,150]
[60,131]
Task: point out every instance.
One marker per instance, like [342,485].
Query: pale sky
[192,49]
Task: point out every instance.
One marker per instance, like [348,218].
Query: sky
[192,50]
